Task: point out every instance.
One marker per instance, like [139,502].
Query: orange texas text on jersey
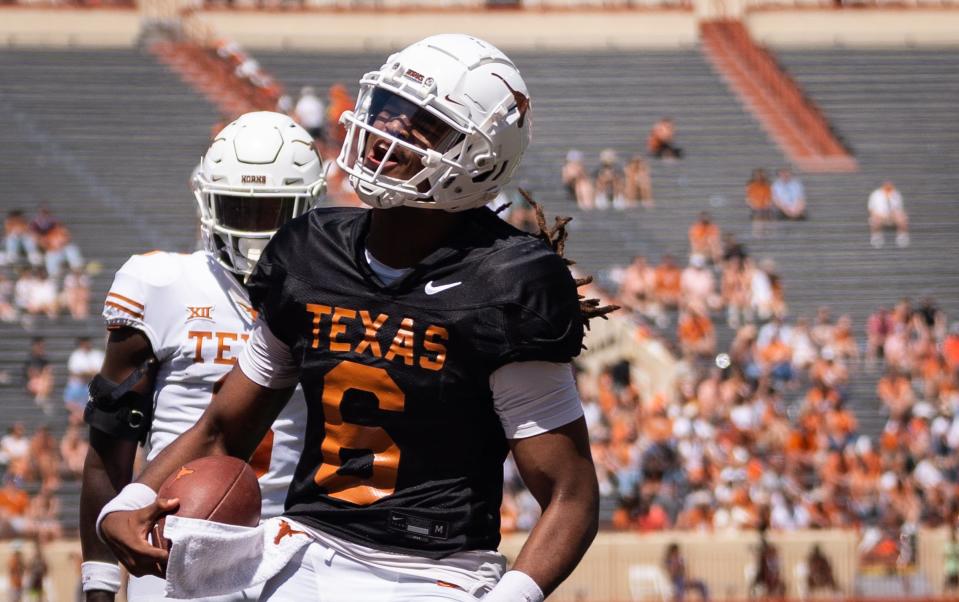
[329,329]
[224,341]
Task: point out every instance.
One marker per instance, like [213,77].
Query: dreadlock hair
[555,238]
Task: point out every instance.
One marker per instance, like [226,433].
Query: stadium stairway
[792,121]
[892,107]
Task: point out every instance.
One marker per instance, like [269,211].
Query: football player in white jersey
[177,323]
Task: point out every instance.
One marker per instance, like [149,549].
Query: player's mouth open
[376,154]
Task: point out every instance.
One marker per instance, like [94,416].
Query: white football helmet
[261,171]
[452,111]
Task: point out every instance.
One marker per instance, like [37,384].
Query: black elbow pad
[118,410]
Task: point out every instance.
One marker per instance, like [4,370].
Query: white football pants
[321,574]
[153,589]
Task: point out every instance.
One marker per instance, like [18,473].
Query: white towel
[211,559]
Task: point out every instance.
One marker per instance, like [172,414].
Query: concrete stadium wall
[855,28]
[65,27]
[63,568]
[722,560]
[528,30]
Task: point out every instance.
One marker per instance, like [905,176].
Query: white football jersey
[197,317]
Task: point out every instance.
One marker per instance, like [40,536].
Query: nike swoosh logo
[439,288]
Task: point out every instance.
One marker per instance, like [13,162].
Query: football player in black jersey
[430,338]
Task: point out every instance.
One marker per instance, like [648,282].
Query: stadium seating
[108,138]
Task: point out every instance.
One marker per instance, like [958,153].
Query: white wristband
[132,497]
[515,586]
[100,576]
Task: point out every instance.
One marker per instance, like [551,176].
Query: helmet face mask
[442,125]
[260,172]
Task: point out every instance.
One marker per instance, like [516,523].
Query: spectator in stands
[697,337]
[284,104]
[44,298]
[638,186]
[761,294]
[15,570]
[578,184]
[83,364]
[76,294]
[310,112]
[769,578]
[8,312]
[36,573]
[804,352]
[640,513]
[732,248]
[13,505]
[950,347]
[43,221]
[759,198]
[42,516]
[895,391]
[886,210]
[705,239]
[36,293]
[820,575]
[340,101]
[666,282]
[59,248]
[736,291]
[608,181]
[698,285]
[950,559]
[878,326]
[45,458]
[636,291]
[17,238]
[661,141]
[823,329]
[249,69]
[15,448]
[930,320]
[675,566]
[38,373]
[23,288]
[73,450]
[773,353]
[789,196]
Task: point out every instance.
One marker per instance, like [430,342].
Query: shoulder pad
[156,268]
[542,318]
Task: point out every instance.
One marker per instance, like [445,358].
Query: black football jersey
[403,449]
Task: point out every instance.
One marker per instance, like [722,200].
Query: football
[222,489]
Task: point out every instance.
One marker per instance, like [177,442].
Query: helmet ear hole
[492,174]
